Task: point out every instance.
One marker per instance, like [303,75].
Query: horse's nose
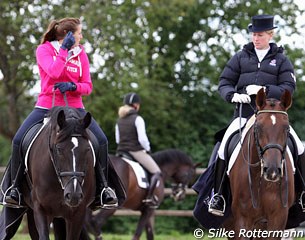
[272,174]
[73,199]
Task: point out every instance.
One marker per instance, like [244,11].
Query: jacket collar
[274,49]
[72,53]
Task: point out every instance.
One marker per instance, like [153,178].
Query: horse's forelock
[273,104]
[73,125]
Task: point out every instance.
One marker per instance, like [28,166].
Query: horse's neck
[167,171]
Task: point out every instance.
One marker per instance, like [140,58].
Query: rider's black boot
[301,171]
[151,199]
[12,196]
[217,202]
[106,197]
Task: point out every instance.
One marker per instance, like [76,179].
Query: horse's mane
[172,156]
[73,125]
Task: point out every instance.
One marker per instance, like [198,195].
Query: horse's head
[71,152]
[181,180]
[178,167]
[271,130]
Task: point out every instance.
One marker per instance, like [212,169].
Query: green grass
[122,237]
[110,236]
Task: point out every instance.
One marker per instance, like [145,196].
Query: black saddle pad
[29,136]
[125,154]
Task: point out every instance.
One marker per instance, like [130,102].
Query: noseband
[261,150]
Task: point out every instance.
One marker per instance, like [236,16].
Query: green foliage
[5,150]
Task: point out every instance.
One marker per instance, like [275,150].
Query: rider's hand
[253,89]
[65,86]
[241,98]
[68,42]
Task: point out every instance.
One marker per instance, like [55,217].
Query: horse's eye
[59,150]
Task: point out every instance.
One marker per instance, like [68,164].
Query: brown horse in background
[175,166]
[261,179]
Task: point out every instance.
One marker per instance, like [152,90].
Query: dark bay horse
[176,167]
[61,174]
[261,179]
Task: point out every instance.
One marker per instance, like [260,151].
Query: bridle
[79,176]
[261,150]
[178,190]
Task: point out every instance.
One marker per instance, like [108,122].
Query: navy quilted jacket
[275,72]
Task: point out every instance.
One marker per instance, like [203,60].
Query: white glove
[253,89]
[241,98]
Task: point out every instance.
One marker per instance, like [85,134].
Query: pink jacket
[55,66]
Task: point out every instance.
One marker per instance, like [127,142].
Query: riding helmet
[131,98]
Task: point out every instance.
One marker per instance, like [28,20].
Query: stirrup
[107,205]
[152,202]
[12,205]
[301,201]
[217,212]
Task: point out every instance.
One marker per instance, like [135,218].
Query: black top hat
[261,23]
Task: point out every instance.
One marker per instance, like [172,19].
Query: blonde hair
[270,32]
[58,29]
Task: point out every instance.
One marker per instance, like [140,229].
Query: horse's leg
[59,228]
[145,214]
[94,223]
[150,227]
[242,225]
[31,225]
[277,222]
[84,235]
[75,224]
[42,224]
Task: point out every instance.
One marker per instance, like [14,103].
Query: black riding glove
[68,42]
[65,86]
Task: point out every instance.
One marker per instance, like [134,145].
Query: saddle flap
[141,174]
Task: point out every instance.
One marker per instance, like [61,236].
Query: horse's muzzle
[178,192]
[73,194]
[272,174]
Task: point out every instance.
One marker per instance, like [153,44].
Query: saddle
[29,137]
[235,138]
[142,175]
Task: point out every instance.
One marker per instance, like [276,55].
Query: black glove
[68,42]
[65,86]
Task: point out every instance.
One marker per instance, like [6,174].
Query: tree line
[170,52]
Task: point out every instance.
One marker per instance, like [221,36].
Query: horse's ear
[286,100]
[61,119]
[261,99]
[197,165]
[87,120]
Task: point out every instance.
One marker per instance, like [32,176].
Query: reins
[52,152]
[65,99]
[261,150]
